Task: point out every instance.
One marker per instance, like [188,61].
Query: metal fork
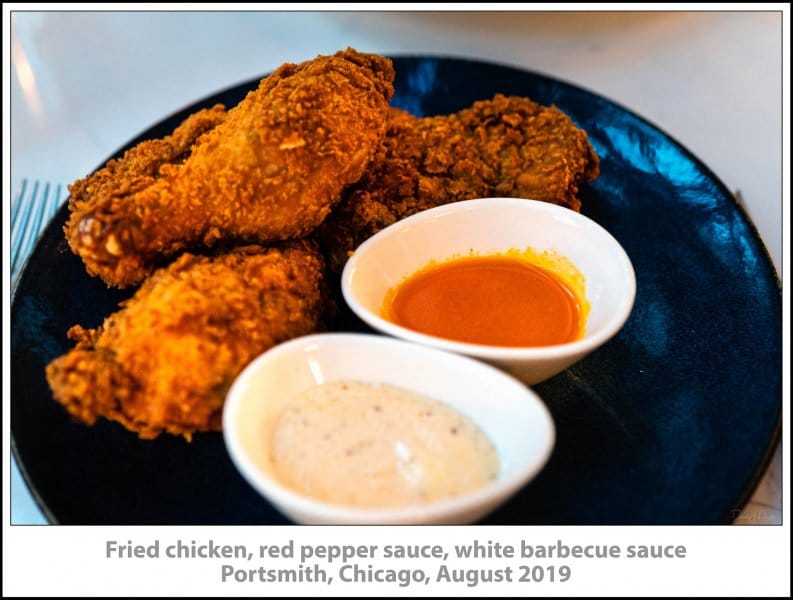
[34,204]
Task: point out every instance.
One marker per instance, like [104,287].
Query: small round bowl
[493,225]
[511,415]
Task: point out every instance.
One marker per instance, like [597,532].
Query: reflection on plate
[670,422]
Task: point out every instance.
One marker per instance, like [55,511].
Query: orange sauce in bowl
[494,300]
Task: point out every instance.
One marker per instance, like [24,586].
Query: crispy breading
[507,146]
[139,166]
[164,361]
[270,170]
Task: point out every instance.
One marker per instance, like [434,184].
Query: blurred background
[84,83]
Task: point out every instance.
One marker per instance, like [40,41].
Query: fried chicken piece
[270,170]
[164,362]
[139,166]
[507,146]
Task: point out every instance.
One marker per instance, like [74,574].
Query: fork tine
[33,211]
[44,208]
[18,203]
[56,202]
[21,231]
[33,226]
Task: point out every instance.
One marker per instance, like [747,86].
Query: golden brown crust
[507,146]
[164,362]
[271,170]
[139,166]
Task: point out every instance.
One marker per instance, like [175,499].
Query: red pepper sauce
[492,300]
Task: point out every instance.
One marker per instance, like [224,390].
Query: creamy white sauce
[377,446]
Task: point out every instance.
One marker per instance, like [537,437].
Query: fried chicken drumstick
[140,165]
[507,146]
[164,362]
[270,169]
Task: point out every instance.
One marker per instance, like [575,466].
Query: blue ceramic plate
[671,422]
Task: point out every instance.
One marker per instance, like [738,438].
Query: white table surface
[94,80]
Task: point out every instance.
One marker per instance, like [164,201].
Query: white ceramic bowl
[510,414]
[487,226]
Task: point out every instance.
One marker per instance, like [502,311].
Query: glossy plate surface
[671,422]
